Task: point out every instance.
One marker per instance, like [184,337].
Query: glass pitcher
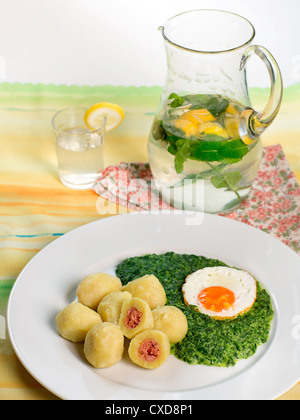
[205,146]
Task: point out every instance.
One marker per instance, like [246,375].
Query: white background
[97,42]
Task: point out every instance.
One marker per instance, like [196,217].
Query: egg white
[240,282]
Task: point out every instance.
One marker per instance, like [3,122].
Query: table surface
[36,208]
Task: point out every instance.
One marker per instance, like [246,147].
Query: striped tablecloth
[35,208]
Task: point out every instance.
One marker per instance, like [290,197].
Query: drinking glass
[80,151]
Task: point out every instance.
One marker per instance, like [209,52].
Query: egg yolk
[216,298]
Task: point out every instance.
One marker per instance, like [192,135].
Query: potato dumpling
[171,321]
[110,306]
[136,316]
[93,288]
[74,322]
[149,289]
[149,349]
[104,345]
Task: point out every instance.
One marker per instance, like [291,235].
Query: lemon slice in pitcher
[94,116]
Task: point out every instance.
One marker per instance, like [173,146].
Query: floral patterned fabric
[273,204]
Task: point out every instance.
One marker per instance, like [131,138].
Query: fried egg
[220,292]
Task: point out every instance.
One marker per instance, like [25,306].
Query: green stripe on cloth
[5,289]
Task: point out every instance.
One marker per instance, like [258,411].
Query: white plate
[48,284]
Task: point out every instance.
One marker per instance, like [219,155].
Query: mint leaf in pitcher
[197,100]
[177,100]
[182,154]
[212,138]
[217,105]
[227,180]
[208,151]
[234,149]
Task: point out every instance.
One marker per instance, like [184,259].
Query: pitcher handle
[253,123]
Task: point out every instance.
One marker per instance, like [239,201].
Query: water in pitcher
[80,157]
[197,157]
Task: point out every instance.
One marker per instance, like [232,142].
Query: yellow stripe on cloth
[17,383]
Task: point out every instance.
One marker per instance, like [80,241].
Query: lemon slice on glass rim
[113,113]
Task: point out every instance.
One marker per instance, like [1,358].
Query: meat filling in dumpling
[149,349]
[136,316]
[133,318]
